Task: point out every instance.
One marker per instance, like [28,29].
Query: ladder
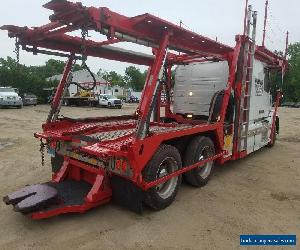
[247,68]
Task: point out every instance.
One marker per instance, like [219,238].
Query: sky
[212,18]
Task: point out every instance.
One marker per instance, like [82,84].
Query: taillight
[121,166]
[118,164]
[53,144]
[124,166]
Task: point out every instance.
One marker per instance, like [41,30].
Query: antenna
[246,16]
[265,23]
[286,44]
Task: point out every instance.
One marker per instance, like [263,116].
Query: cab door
[103,100]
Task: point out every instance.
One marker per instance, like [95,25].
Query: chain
[42,150]
[17,49]
[84,34]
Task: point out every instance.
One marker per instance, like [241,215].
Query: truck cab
[110,101]
[198,86]
[195,86]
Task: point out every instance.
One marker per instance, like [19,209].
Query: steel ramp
[50,199]
[31,198]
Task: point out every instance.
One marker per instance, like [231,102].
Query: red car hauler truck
[222,111]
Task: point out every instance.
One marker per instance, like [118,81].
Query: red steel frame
[145,30]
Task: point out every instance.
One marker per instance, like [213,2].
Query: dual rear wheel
[165,161]
[168,160]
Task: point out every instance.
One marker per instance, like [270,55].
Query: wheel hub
[204,170]
[165,189]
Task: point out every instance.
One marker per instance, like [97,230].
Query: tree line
[291,83]
[31,79]
[133,78]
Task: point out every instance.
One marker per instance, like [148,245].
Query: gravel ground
[257,195]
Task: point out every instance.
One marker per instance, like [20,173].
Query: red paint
[278,97]
[147,185]
[59,92]
[67,209]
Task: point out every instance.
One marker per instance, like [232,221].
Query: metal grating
[111,135]
[115,134]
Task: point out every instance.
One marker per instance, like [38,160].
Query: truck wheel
[165,161]
[56,162]
[199,148]
[109,105]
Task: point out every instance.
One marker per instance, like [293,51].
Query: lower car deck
[112,134]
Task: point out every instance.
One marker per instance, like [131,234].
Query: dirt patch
[284,196]
[4,143]
[41,111]
[290,139]
[257,194]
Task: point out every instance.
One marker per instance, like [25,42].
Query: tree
[30,79]
[113,77]
[291,86]
[103,74]
[291,81]
[134,78]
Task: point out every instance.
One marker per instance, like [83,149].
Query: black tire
[200,146]
[56,163]
[161,196]
[109,105]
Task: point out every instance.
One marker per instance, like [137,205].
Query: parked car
[110,101]
[296,105]
[29,99]
[133,99]
[287,104]
[8,97]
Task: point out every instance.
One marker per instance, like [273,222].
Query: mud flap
[127,194]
